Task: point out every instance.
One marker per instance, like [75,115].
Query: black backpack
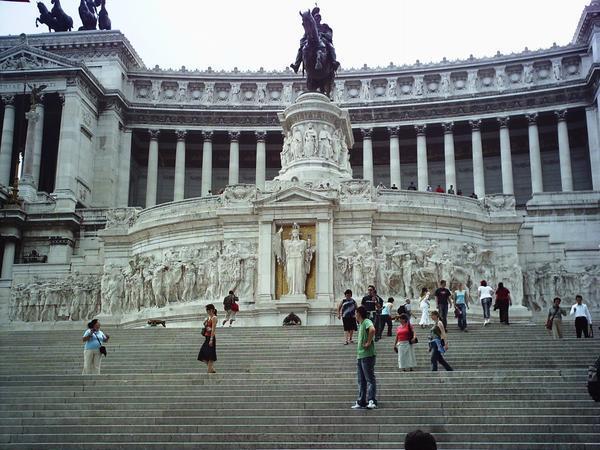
[402,310]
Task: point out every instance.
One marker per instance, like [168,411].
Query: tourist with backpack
[231,308]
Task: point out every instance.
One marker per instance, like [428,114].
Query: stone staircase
[292,388]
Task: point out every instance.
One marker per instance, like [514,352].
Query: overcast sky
[249,34]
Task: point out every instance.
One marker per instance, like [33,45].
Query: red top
[403,332]
[439,189]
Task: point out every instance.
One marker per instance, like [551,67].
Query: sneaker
[371,405]
[357,406]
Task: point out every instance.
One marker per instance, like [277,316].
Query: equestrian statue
[56,19]
[316,53]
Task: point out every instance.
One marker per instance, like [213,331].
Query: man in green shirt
[365,362]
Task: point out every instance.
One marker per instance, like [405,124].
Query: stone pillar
[27,185]
[367,154]
[506,157]
[478,169]
[234,157]
[6,145]
[395,177]
[592,120]
[535,159]
[179,188]
[39,138]
[449,161]
[266,266]
[8,259]
[207,163]
[124,168]
[152,179]
[68,147]
[261,158]
[422,170]
[324,265]
[564,151]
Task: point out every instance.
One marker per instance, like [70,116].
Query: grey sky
[248,34]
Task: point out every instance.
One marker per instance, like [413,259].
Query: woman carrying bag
[93,348]
[208,351]
[404,345]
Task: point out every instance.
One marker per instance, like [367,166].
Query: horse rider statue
[326,45]
[56,19]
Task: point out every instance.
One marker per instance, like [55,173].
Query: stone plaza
[149,192]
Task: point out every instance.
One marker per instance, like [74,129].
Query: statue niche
[294,248]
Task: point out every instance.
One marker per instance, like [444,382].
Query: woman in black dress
[208,351]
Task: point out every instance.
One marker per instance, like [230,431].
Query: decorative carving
[234,136]
[34,257]
[356,190]
[367,133]
[207,135]
[532,118]
[8,100]
[59,240]
[121,217]
[499,203]
[261,136]
[561,115]
[181,134]
[391,88]
[239,193]
[393,131]
[154,134]
[420,129]
[475,124]
[448,127]
[503,121]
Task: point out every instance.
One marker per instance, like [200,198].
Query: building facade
[147,192]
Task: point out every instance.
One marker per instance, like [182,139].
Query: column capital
[561,115]
[154,133]
[367,133]
[475,124]
[8,100]
[503,121]
[234,136]
[181,134]
[420,129]
[261,136]
[393,131]
[532,118]
[448,127]
[207,135]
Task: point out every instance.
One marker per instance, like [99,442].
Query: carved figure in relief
[445,85]
[310,141]
[183,94]
[365,89]
[297,147]
[338,95]
[336,146]
[286,151]
[234,94]
[556,70]
[419,86]
[287,93]
[325,148]
[261,94]
[500,82]
[528,73]
[209,93]
[472,81]
[391,88]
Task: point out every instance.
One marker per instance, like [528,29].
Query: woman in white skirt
[405,339]
[424,305]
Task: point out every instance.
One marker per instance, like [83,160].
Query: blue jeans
[367,385]
[436,357]
[462,319]
[486,303]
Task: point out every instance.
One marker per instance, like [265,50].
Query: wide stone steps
[513,387]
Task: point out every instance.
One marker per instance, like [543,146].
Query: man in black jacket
[373,303]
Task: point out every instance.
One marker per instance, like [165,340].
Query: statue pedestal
[318,136]
[298,304]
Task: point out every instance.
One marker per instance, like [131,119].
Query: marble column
[27,185]
[593,130]
[234,157]
[152,179]
[68,147]
[179,188]
[564,151]
[535,159]
[422,170]
[367,154]
[506,157]
[6,144]
[261,158]
[449,160]
[124,168]
[207,163]
[478,168]
[395,178]
[8,259]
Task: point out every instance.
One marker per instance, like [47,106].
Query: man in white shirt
[583,318]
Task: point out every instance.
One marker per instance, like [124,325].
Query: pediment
[294,196]
[28,58]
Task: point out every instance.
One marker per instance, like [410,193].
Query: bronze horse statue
[87,13]
[317,61]
[103,19]
[56,19]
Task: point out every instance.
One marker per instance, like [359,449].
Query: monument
[148,193]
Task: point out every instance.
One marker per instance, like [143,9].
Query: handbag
[412,339]
[102,348]
[550,320]
[235,307]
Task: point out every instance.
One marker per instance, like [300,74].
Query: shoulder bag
[102,347]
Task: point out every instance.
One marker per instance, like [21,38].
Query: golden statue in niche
[295,261]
